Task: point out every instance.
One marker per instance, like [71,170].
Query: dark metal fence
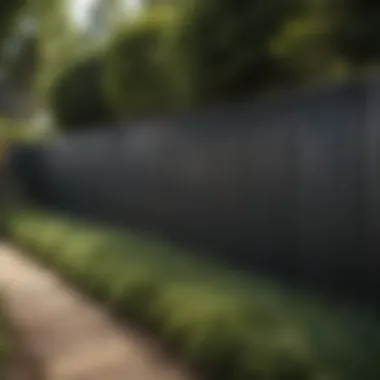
[288,184]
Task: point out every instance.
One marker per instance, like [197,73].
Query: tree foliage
[77,97]
[224,44]
[195,52]
[57,42]
[305,47]
[137,70]
[358,30]
[9,10]
[20,63]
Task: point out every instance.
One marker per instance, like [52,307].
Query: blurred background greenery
[71,64]
[68,65]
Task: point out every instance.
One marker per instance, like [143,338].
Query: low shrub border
[5,345]
[228,326]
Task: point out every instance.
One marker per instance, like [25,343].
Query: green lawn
[227,325]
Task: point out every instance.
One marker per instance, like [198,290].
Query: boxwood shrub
[5,344]
[225,324]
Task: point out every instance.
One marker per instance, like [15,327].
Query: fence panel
[288,184]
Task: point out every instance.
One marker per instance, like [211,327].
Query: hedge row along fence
[5,344]
[227,326]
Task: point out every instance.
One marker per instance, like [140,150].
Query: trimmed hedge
[5,345]
[77,97]
[138,74]
[228,326]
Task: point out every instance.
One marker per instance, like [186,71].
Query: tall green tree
[19,54]
[358,31]
[57,41]
[137,70]
[9,10]
[305,44]
[224,44]
[18,63]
